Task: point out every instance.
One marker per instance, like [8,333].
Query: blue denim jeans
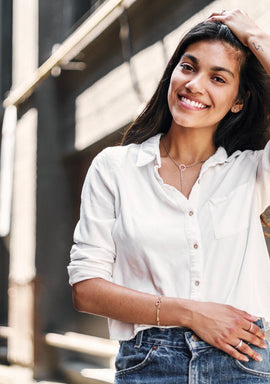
[176,356]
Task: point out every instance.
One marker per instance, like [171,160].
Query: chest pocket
[231,213]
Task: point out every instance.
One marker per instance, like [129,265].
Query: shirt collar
[149,151]
[220,157]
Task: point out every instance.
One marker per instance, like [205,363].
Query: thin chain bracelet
[158,305]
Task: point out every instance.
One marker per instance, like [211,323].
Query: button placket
[193,232]
[196,271]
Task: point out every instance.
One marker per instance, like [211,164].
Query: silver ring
[223,10]
[239,344]
[250,327]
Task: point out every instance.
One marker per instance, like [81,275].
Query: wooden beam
[70,48]
[83,343]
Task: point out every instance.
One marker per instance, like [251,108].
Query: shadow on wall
[4,267]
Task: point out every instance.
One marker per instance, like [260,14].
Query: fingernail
[245,358]
[258,358]
[264,345]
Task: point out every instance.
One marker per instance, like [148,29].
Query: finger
[215,14]
[230,350]
[253,339]
[247,350]
[245,321]
[218,17]
[255,330]
[218,13]
[247,316]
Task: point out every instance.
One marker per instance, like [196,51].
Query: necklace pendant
[182,167]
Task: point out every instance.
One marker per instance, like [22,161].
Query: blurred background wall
[73,75]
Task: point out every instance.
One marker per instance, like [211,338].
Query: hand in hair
[239,23]
[248,32]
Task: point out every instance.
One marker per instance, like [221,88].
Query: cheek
[172,87]
[174,82]
[227,99]
[169,95]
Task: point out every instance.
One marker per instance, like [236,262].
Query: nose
[196,84]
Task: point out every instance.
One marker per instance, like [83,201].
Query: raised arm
[248,32]
[258,41]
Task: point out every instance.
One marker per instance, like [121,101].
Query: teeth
[193,103]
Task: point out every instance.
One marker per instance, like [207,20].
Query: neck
[187,145]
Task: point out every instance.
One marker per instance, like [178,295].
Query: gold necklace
[182,167]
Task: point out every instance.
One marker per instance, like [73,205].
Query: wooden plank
[5,332]
[69,49]
[83,343]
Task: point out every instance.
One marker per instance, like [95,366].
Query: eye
[186,67]
[218,79]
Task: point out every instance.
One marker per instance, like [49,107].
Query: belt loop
[138,341]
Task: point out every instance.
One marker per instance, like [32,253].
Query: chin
[185,123]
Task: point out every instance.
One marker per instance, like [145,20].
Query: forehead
[216,54]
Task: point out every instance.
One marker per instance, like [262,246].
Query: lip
[191,103]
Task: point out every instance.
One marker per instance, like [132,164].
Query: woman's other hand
[239,23]
[224,327]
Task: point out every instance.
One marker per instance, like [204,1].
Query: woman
[176,211]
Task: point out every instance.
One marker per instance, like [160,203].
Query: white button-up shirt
[143,234]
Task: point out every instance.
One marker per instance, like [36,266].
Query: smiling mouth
[192,103]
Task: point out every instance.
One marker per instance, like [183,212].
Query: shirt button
[199,181]
[195,246]
[197,283]
[191,213]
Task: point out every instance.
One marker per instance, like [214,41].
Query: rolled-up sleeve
[93,252]
[263,178]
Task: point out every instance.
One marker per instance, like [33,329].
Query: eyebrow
[216,68]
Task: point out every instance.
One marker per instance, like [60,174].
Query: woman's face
[204,85]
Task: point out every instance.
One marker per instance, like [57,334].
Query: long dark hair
[246,129]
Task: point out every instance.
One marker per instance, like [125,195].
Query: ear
[237,106]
